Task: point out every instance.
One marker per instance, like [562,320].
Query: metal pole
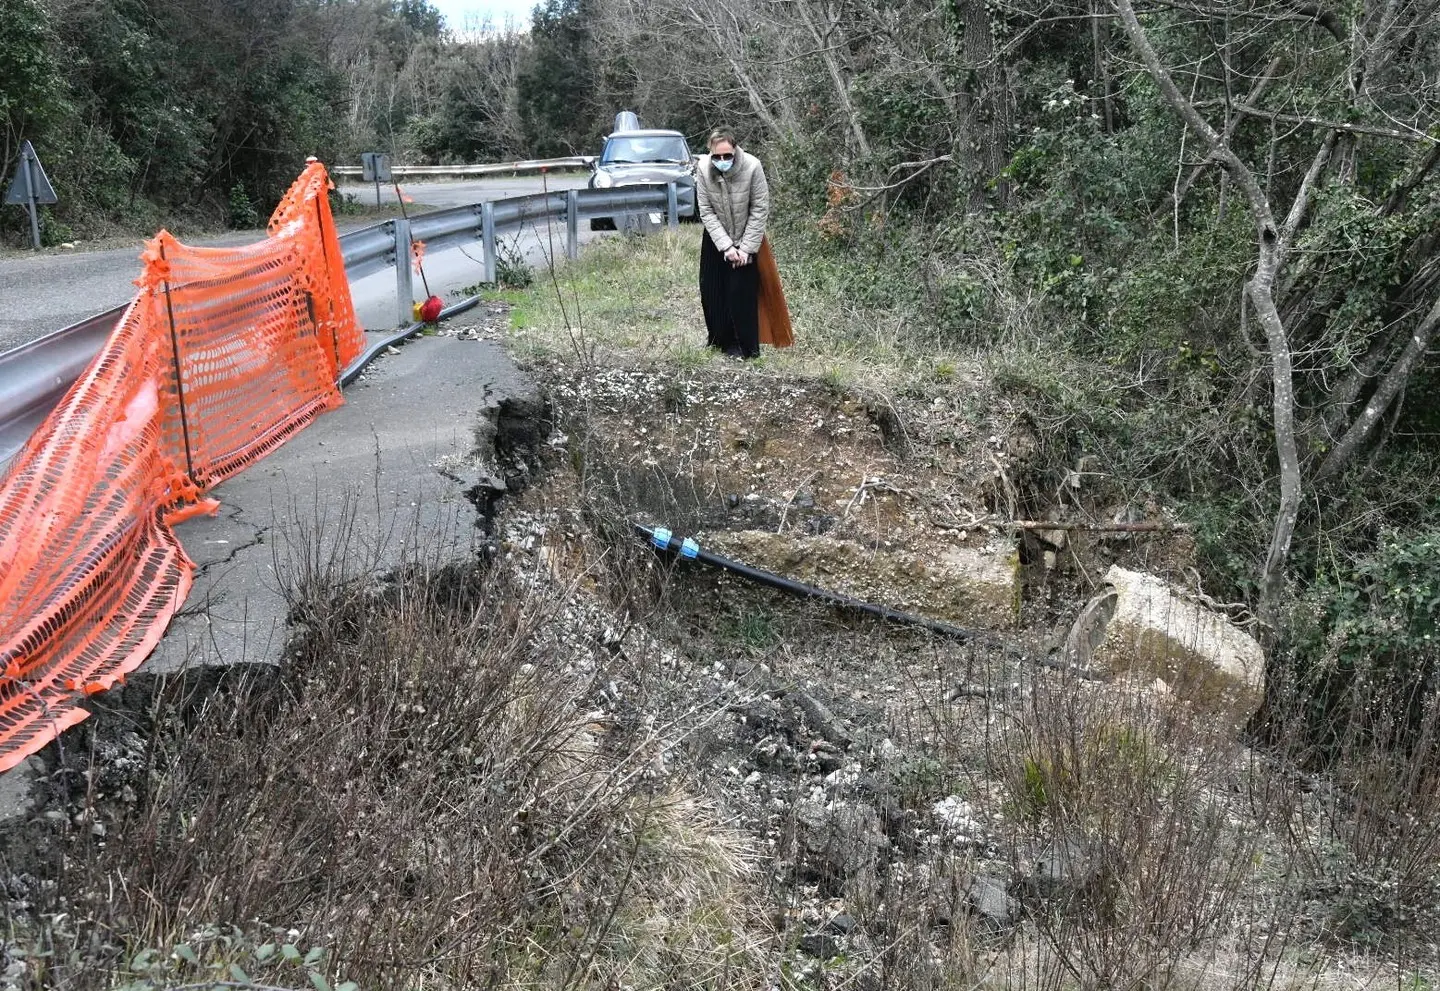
[330,316]
[572,224]
[377,187]
[179,381]
[487,240]
[404,281]
[672,205]
[34,211]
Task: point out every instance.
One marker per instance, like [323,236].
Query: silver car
[645,158]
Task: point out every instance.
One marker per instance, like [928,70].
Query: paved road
[388,469]
[44,292]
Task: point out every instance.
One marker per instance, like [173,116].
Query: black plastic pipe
[373,351]
[663,540]
[689,549]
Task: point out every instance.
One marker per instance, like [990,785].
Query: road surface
[43,292]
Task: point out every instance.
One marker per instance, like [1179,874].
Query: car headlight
[604,180]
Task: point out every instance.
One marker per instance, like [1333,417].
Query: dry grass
[433,793]
[578,767]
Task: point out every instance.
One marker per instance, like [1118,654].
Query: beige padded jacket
[735,206]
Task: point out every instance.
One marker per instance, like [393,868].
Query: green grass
[638,299]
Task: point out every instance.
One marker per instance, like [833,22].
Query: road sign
[30,175]
[375,167]
[31,188]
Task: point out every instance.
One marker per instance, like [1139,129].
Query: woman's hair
[721,134]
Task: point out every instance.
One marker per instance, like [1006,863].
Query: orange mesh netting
[222,355]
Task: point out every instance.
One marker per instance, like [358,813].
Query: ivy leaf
[184,952]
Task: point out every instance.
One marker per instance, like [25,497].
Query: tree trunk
[1261,290]
[1271,248]
[837,78]
[986,123]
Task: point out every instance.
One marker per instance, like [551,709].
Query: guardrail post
[672,205]
[572,224]
[404,278]
[487,240]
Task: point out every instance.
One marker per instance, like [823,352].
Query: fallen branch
[1141,527]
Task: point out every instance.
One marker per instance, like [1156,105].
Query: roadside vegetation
[1060,263]
[572,763]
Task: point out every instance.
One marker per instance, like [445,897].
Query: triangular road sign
[29,170]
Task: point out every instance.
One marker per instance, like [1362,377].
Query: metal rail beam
[497,168]
[35,376]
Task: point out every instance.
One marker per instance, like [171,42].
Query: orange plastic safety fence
[222,355]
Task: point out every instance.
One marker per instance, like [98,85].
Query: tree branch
[1390,386]
[1255,93]
[1419,137]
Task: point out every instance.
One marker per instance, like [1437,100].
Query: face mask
[724,166]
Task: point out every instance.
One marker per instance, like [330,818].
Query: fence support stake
[672,205]
[179,382]
[330,317]
[572,224]
[404,280]
[487,240]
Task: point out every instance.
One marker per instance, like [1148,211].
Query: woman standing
[738,277]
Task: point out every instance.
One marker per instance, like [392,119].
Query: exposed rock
[842,840]
[1088,631]
[1141,626]
[17,798]
[1062,870]
[821,719]
[991,904]
[819,946]
[957,584]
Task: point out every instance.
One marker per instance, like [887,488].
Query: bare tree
[1273,242]
[1281,291]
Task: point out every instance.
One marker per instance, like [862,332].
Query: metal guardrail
[500,168]
[35,376]
[373,249]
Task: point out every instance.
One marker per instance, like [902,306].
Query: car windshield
[646,148]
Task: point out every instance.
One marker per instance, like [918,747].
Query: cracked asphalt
[382,477]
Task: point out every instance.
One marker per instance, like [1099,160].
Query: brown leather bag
[774,314]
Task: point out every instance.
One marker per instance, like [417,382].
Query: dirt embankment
[572,762]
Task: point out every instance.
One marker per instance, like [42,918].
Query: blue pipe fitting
[660,537]
[690,549]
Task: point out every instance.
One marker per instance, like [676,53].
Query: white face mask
[723,165]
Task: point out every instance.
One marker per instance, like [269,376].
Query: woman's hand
[733,255]
[741,258]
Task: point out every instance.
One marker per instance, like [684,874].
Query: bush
[1367,650]
[243,215]
[426,790]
